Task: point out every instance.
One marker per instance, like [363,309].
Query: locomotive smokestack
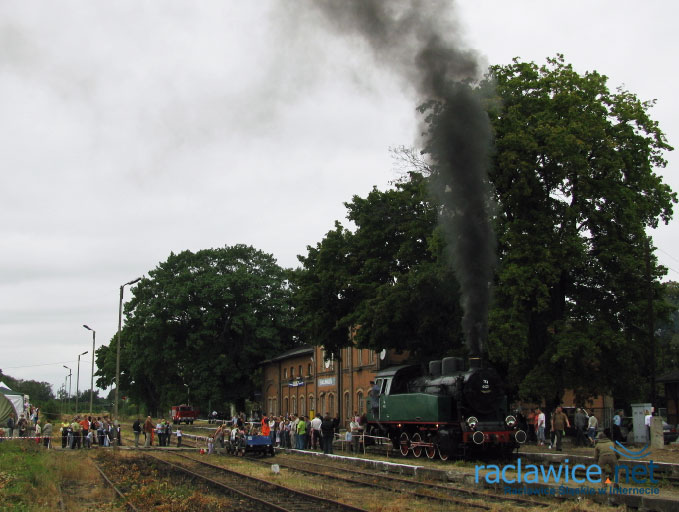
[420,42]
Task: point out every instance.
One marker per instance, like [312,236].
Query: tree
[574,175]
[388,277]
[668,328]
[198,326]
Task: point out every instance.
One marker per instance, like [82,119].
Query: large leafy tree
[575,177]
[199,325]
[387,277]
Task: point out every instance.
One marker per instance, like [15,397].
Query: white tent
[10,401]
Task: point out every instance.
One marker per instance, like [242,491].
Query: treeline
[576,292]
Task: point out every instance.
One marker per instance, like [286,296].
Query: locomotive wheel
[442,456]
[430,451]
[404,444]
[417,450]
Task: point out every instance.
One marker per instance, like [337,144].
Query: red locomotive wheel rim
[417,450]
[404,444]
[430,451]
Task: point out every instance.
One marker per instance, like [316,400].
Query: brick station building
[302,381]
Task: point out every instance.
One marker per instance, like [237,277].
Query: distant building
[306,380]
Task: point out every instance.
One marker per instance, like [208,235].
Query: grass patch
[27,477]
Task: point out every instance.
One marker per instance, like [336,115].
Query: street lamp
[94,334]
[120,324]
[69,384]
[77,382]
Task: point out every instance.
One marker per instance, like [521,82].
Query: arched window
[300,371]
[285,405]
[331,404]
[292,372]
[309,370]
[321,406]
[294,405]
[302,402]
[285,373]
[359,357]
[359,401]
[311,405]
[347,409]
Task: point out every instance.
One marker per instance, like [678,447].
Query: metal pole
[77,383]
[69,385]
[120,324]
[94,334]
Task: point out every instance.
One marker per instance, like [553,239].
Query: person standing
[647,422]
[328,433]
[559,423]
[580,421]
[375,400]
[355,429]
[541,427]
[617,423]
[22,426]
[316,432]
[11,423]
[301,433]
[47,432]
[592,425]
[148,430]
[136,428]
[84,428]
[178,433]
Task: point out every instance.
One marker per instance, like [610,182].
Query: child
[210,445]
[178,433]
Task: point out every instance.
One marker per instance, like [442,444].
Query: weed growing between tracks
[151,487]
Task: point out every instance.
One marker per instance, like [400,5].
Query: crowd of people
[80,432]
[539,425]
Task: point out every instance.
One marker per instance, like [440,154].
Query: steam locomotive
[449,412]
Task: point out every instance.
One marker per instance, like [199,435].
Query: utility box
[639,412]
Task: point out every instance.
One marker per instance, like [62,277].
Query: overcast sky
[131,129]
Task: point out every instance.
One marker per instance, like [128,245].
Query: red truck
[185,413]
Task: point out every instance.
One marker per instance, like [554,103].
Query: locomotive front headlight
[510,421]
[472,421]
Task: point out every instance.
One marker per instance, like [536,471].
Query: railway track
[441,492]
[260,492]
[126,502]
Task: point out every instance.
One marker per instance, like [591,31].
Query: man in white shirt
[647,422]
[541,428]
[315,432]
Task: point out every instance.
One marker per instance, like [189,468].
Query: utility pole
[650,319]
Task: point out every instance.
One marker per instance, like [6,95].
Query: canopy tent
[10,401]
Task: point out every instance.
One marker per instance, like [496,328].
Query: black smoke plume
[419,40]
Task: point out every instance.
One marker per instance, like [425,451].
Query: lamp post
[69,385]
[77,382]
[94,334]
[120,324]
